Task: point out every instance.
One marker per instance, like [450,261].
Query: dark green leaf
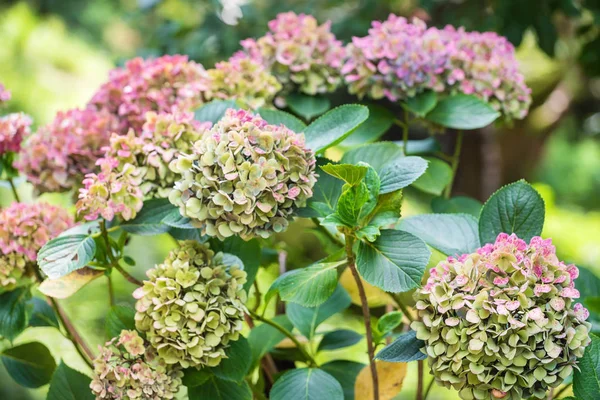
[278,117]
[345,372]
[339,339]
[377,155]
[65,254]
[173,218]
[388,322]
[456,205]
[119,318]
[401,172]
[42,313]
[187,234]
[515,208]
[395,262]
[306,384]
[263,338]
[149,221]
[332,127]
[248,252]
[237,363]
[31,365]
[405,348]
[421,104]
[307,106]
[68,384]
[193,377]
[214,111]
[461,111]
[586,381]
[436,178]
[452,234]
[306,319]
[379,121]
[219,389]
[350,206]
[13,312]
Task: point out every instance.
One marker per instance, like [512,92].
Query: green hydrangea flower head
[244,177]
[127,368]
[192,306]
[500,323]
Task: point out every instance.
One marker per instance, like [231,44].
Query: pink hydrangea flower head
[24,229]
[13,129]
[299,52]
[4,94]
[164,84]
[513,315]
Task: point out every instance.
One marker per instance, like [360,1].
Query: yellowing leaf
[68,285]
[391,377]
[375,296]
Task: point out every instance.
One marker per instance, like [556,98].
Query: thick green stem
[14,190]
[455,160]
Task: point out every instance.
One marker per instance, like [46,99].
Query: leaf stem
[402,307]
[562,390]
[258,296]
[14,190]
[290,335]
[428,389]
[455,160]
[113,261]
[365,311]
[130,278]
[326,232]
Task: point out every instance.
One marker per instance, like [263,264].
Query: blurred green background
[55,53]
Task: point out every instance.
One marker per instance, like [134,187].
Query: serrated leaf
[68,384]
[436,178]
[456,205]
[236,365]
[452,234]
[462,111]
[307,106]
[13,312]
[379,121]
[119,318]
[516,208]
[405,348]
[377,155]
[586,381]
[395,262]
[401,172]
[263,338]
[42,313]
[391,378]
[31,365]
[214,111]
[388,210]
[326,193]
[65,254]
[278,117]
[339,339]
[68,285]
[306,384]
[149,221]
[421,104]
[219,389]
[345,372]
[349,173]
[332,127]
[388,322]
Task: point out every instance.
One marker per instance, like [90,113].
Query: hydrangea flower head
[127,368]
[501,323]
[163,85]
[4,94]
[299,52]
[192,306]
[13,129]
[399,60]
[244,177]
[61,153]
[24,229]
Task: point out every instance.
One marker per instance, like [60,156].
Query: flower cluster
[24,229]
[399,59]
[192,306]
[128,369]
[243,79]
[4,94]
[61,153]
[244,177]
[13,129]
[500,323]
[299,52]
[165,84]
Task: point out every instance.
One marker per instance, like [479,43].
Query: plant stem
[366,313]
[326,232]
[455,160]
[428,389]
[290,335]
[111,290]
[420,380]
[402,307]
[14,190]
[113,261]
[127,276]
[562,390]
[258,296]
[72,334]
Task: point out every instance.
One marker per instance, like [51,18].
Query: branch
[455,160]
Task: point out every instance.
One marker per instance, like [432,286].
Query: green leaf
[65,254]
[452,234]
[401,172]
[349,173]
[350,205]
[41,313]
[187,234]
[588,285]
[307,106]
[332,127]
[421,104]
[219,389]
[119,318]
[461,111]
[339,339]
[326,193]
[306,384]
[436,178]
[395,262]
[13,312]
[405,348]
[586,381]
[68,384]
[379,121]
[388,322]
[306,319]
[388,209]
[345,372]
[173,218]
[377,155]
[248,252]
[237,363]
[516,208]
[214,111]
[421,146]
[193,377]
[456,205]
[149,221]
[278,117]
[263,338]
[308,286]
[31,365]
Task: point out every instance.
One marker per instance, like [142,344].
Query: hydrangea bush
[208,159]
